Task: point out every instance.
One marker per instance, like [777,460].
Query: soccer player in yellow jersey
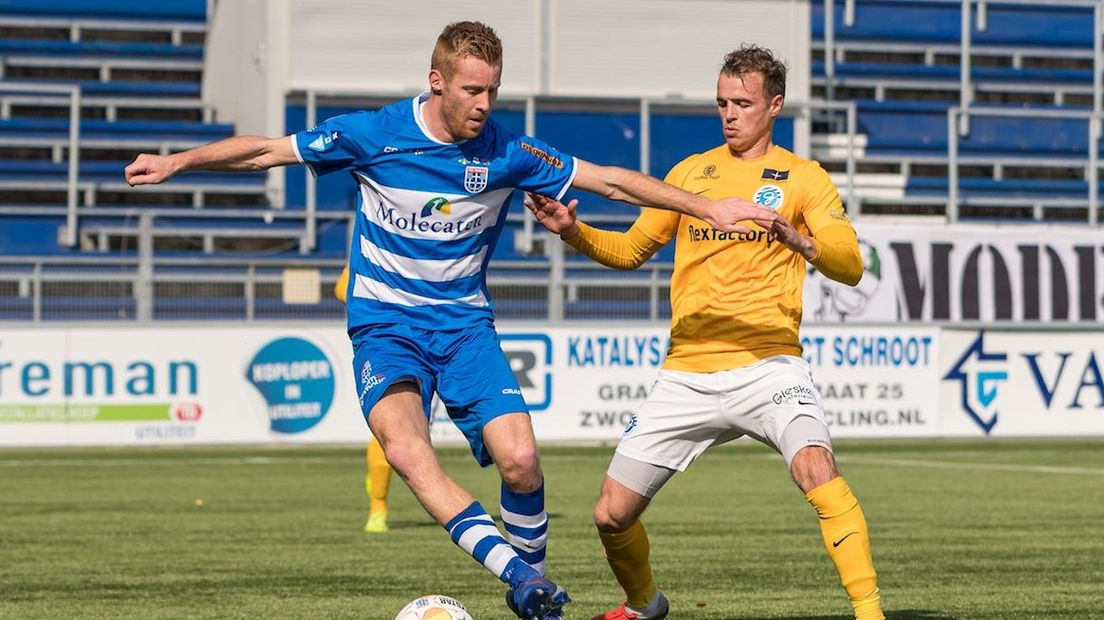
[734,367]
[378,480]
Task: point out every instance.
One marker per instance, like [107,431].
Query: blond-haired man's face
[468,95]
[746,112]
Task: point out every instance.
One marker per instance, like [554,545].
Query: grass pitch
[960,529]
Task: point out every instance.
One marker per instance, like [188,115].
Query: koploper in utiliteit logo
[296,379]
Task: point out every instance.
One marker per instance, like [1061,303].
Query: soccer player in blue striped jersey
[434,175]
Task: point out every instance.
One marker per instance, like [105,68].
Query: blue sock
[474,531]
[526,524]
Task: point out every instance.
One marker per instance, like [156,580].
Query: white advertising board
[996,274]
[876,381]
[246,384]
[158,385]
[1006,383]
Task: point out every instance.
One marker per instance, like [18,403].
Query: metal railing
[1092,172]
[966,22]
[73,92]
[146,288]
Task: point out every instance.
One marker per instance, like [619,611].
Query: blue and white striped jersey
[429,213]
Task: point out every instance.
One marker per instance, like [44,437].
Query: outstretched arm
[619,250]
[237,154]
[640,189]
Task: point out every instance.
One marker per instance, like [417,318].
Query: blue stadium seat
[1020,188]
[84,49]
[100,171]
[59,128]
[951,72]
[131,10]
[939,22]
[921,126]
[86,308]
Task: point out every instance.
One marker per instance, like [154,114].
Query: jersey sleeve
[837,244]
[336,143]
[539,168]
[823,206]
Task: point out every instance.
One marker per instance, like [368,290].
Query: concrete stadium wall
[257,51]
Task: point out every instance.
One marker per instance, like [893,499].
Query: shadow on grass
[900,614]
[410,524]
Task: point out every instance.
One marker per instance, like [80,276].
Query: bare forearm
[237,154]
[642,190]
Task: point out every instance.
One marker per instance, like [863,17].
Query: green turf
[960,530]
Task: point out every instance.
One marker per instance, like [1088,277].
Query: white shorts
[687,412]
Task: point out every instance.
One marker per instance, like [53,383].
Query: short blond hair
[463,39]
[755,59]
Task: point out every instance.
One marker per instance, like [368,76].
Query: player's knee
[608,522]
[520,468]
[813,466]
[405,455]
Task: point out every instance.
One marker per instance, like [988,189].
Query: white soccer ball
[434,607]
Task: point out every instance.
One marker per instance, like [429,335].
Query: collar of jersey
[419,103]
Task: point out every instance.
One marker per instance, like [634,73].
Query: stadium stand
[139,77]
[139,80]
[900,61]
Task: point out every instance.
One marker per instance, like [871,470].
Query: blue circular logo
[297,381]
[769,196]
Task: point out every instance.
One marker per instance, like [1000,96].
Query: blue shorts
[466,368]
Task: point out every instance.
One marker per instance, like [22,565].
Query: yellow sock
[843,527]
[627,554]
[379,477]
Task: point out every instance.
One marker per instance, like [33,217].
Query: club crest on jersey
[475,178]
[770,196]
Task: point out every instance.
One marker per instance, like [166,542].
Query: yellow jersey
[736,298]
[342,284]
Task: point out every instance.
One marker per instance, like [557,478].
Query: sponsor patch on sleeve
[555,162]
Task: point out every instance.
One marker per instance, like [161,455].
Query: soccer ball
[434,607]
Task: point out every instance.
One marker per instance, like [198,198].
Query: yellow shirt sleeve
[632,248]
[342,284]
[837,244]
[839,256]
[620,250]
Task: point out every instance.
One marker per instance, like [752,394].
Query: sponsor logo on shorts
[800,392]
[511,391]
[631,425]
[369,380]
